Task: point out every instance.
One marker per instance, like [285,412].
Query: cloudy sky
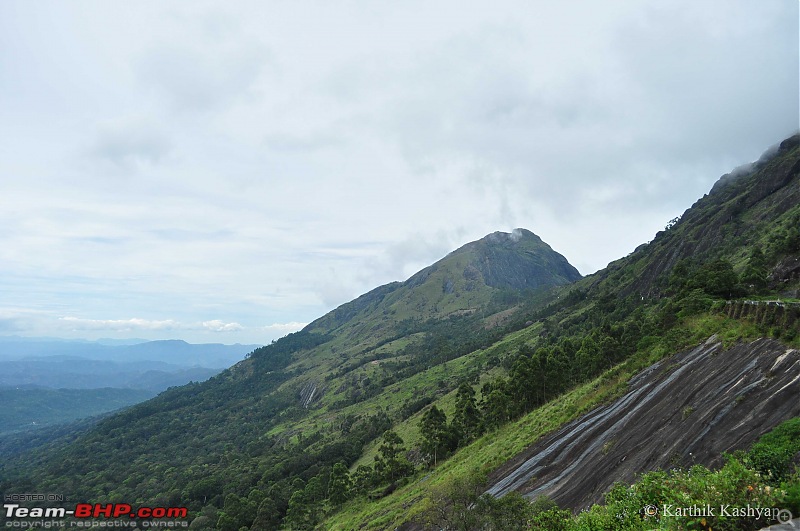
[227,171]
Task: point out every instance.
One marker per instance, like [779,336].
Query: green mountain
[387,411]
[259,422]
[496,267]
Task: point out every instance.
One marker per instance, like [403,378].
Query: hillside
[360,419]
[317,396]
[741,241]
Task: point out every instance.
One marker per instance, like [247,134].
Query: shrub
[773,453]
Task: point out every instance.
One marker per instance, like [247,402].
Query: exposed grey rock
[308,393]
[684,410]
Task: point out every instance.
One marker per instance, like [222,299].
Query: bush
[695,302]
[653,501]
[773,453]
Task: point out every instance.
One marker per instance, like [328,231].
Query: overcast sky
[228,171]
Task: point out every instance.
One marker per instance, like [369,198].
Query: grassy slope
[425,383]
[493,449]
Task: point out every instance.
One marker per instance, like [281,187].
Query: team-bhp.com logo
[97,510]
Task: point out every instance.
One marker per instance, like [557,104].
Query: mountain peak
[518,260]
[514,236]
[463,281]
[746,170]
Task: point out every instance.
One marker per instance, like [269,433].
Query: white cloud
[137,324]
[204,77]
[36,323]
[285,328]
[219,326]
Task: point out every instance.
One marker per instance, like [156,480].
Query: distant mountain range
[46,381]
[149,365]
[173,351]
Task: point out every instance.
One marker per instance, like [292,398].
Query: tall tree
[452,503]
[435,434]
[339,484]
[466,419]
[496,405]
[717,278]
[755,273]
[390,464]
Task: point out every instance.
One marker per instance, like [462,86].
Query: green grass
[493,449]
[394,396]
[487,453]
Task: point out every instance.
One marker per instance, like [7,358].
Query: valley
[46,382]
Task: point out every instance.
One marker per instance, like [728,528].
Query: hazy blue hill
[177,352]
[149,365]
[47,381]
[72,372]
[211,355]
[35,408]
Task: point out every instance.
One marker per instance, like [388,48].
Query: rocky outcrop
[686,409]
[738,209]
[787,270]
[520,260]
[308,393]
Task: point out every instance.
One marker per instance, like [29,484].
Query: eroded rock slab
[686,409]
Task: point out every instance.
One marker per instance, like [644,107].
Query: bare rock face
[520,260]
[786,270]
[684,410]
[736,210]
[308,393]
